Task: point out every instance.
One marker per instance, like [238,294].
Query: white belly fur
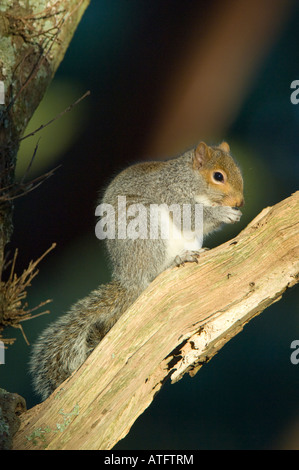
[178,241]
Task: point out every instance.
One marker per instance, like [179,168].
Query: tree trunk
[180,322]
[33,41]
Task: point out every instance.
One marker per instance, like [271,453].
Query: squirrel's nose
[240,203]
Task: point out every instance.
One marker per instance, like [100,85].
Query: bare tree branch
[180,322]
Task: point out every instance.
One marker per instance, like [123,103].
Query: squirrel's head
[221,174]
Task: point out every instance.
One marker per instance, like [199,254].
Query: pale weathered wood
[184,317]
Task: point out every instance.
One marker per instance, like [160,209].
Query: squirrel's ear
[225,147]
[201,155]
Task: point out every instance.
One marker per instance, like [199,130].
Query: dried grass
[13,292]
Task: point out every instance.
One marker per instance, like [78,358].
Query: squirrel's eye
[218,176]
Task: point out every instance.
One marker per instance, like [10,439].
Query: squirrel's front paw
[230,215]
[188,257]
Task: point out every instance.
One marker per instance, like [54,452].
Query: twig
[69,108]
[30,163]
[14,291]
[17,190]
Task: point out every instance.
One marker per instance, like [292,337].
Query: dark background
[127,53]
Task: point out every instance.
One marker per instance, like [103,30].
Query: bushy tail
[67,342]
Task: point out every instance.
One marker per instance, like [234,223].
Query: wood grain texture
[180,322]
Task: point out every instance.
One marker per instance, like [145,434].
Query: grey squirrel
[204,175]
